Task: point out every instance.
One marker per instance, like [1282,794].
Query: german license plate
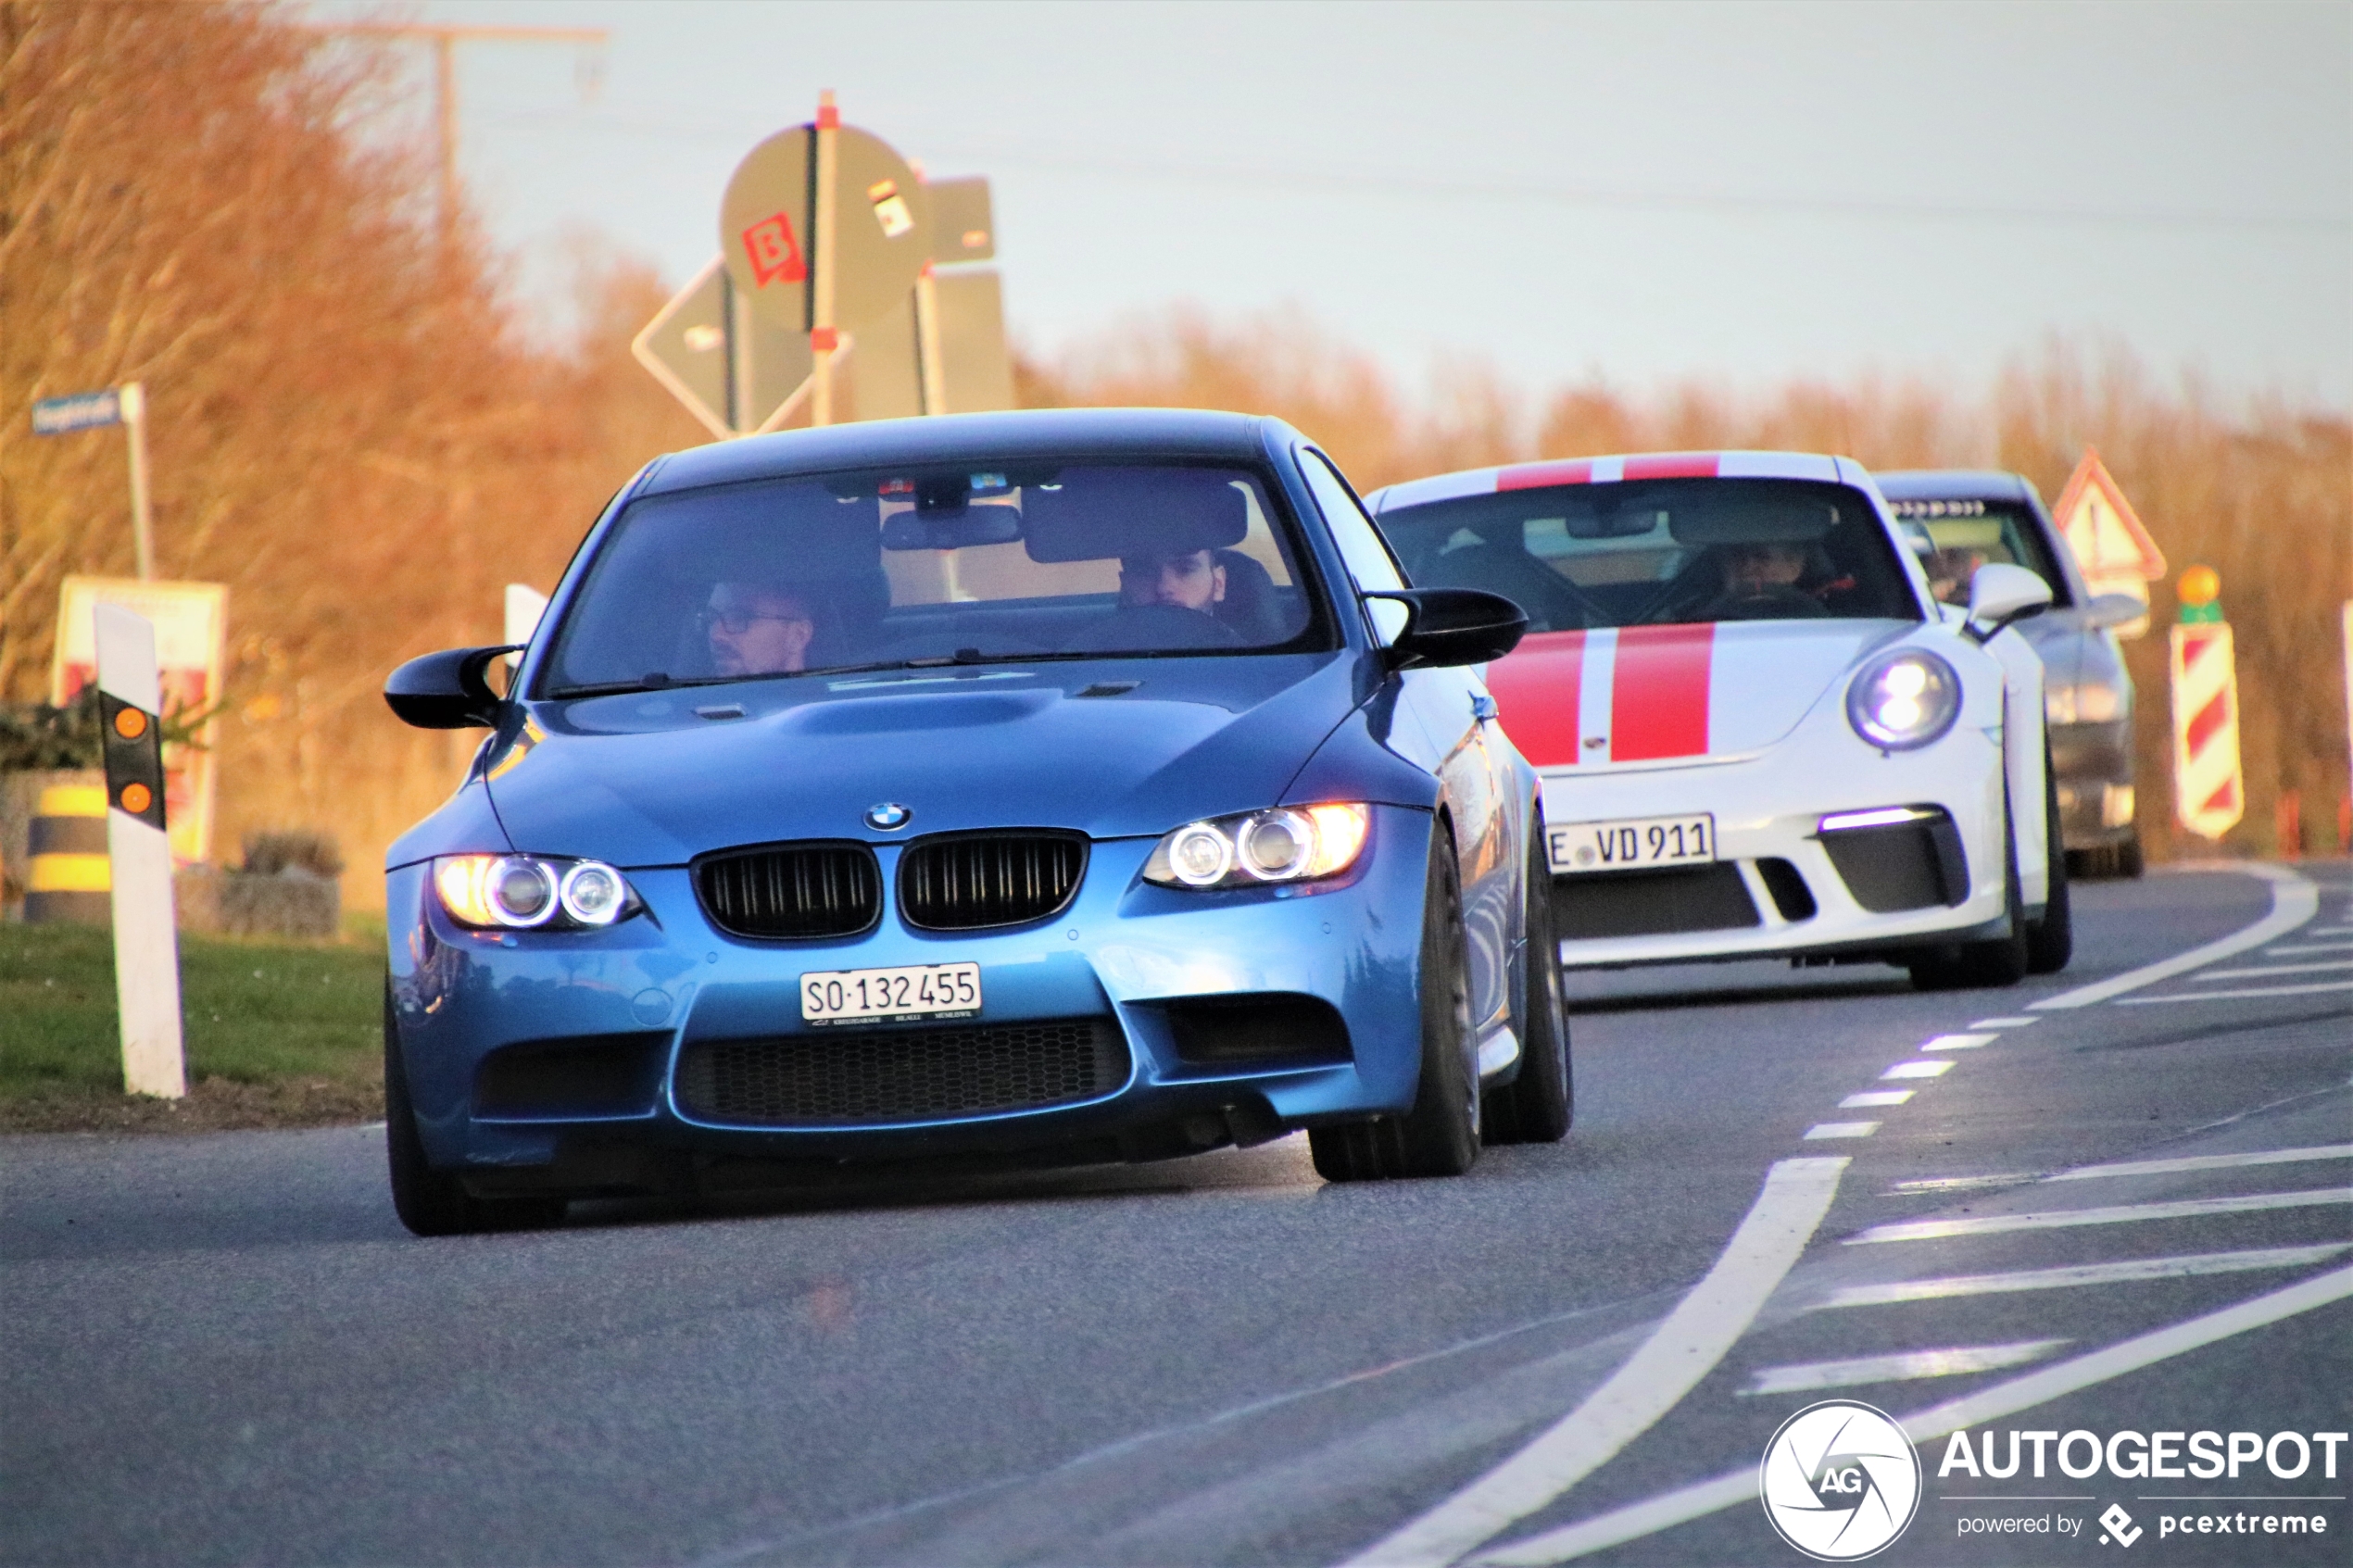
[890,995]
[1632,844]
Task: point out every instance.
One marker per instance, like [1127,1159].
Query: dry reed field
[352,429]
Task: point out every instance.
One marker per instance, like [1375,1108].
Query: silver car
[1961,518]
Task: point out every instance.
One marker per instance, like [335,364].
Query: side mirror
[2001,593]
[448,690]
[1452,627]
[2114,610]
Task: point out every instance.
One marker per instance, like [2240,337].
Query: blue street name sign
[84,410]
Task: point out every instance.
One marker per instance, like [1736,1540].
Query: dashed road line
[2294,900]
[1821,1130]
[2205,1162]
[1684,1348]
[1932,1186]
[1917,1069]
[2079,1275]
[2225,996]
[1903,1367]
[2004,1022]
[2115,1214]
[2309,947]
[2259,971]
[1738,1485]
[1876,1097]
[1957,1042]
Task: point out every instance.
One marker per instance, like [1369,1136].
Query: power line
[1017,155]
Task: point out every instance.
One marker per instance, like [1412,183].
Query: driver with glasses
[758,629]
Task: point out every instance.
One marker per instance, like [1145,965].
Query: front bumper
[1776,889]
[603,1020]
[2093,767]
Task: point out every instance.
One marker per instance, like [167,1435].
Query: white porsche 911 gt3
[1759,734]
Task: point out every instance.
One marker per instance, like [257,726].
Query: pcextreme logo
[1839,1480]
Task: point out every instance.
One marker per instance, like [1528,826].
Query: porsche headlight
[1904,699]
[523,892]
[1287,844]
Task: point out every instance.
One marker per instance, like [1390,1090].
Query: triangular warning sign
[2100,527]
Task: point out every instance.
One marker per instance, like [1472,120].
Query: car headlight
[2087,702]
[525,892]
[1904,699]
[1287,844]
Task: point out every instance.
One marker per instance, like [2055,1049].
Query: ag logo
[1839,1481]
[886,815]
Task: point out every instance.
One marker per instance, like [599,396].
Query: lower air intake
[853,1077]
[1652,903]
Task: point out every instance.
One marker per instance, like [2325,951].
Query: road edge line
[1687,1504]
[1685,1347]
[2291,893]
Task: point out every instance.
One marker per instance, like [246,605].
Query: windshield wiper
[648,683]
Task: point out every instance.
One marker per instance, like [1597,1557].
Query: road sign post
[2210,793]
[126,405]
[147,945]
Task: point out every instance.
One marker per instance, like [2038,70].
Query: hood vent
[791,891]
[973,881]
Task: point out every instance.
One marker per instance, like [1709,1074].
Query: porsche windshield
[1583,556]
[844,570]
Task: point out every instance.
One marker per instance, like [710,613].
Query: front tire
[433,1202]
[1539,1105]
[1439,1135]
[1998,961]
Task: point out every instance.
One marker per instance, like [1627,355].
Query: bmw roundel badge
[886,815]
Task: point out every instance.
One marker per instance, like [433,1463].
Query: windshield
[1967,535]
[1582,556]
[779,577]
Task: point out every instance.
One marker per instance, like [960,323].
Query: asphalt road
[226,1349]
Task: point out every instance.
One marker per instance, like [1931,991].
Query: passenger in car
[758,629]
[1187,579]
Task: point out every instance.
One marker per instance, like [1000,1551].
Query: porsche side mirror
[1452,627]
[2000,594]
[448,690]
[2113,609]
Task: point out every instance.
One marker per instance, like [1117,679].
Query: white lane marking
[2075,1276]
[2205,1162]
[2307,948]
[2331,931]
[1841,1130]
[1960,1184]
[1917,1069]
[2114,1214]
[1682,1350]
[1876,1097]
[2294,901]
[2224,996]
[2004,1022]
[1959,1042]
[1951,1361]
[2262,970]
[1737,1485]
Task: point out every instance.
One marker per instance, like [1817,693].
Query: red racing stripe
[1658,692]
[1536,691]
[1675,465]
[1537,476]
[2208,719]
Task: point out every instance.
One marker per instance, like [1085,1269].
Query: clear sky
[1643,192]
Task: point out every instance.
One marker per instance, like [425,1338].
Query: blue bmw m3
[1006,789]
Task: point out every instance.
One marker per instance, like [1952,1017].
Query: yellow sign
[191,622]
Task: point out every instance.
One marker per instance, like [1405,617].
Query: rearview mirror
[1452,627]
[2000,594]
[448,690]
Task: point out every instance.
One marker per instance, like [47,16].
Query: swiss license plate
[1632,844]
[890,995]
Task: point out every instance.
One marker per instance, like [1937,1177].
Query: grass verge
[278,1033]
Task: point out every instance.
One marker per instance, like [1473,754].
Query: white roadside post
[147,945]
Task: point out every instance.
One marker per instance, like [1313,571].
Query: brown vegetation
[352,430]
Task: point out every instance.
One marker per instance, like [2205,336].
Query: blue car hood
[642,779]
